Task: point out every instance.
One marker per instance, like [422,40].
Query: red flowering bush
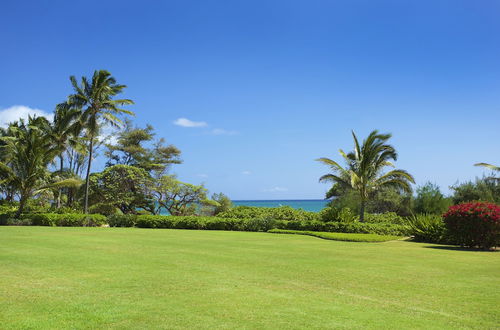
[475,224]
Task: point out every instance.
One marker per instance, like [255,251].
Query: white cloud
[276,189]
[184,122]
[16,112]
[109,134]
[246,172]
[220,131]
[203,175]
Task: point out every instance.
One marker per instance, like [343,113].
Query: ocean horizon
[312,205]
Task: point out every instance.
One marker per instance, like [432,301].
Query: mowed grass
[146,278]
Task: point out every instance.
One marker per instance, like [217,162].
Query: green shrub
[334,214]
[208,223]
[388,217]
[122,220]
[428,228]
[277,213]
[349,237]
[6,217]
[65,220]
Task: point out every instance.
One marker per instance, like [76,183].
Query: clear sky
[274,85]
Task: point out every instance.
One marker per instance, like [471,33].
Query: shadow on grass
[438,246]
[458,248]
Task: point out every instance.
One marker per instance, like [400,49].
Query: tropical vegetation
[46,179]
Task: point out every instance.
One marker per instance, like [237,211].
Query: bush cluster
[276,213]
[388,217]
[474,224]
[63,220]
[207,223]
[428,228]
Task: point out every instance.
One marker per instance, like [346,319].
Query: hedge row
[277,213]
[54,219]
[208,223]
[255,224]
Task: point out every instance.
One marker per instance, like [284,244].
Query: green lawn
[145,278]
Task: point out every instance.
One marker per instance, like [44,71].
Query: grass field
[142,278]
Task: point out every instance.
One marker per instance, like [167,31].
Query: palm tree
[491,167]
[95,101]
[64,133]
[27,151]
[364,170]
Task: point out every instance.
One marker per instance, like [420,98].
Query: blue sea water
[313,205]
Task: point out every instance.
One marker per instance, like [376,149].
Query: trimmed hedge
[203,223]
[388,217]
[348,237]
[256,224]
[277,213]
[65,220]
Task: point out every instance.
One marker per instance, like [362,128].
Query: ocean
[313,205]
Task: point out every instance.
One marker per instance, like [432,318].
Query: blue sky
[277,84]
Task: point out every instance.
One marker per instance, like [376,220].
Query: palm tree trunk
[87,178]
[60,189]
[362,211]
[22,203]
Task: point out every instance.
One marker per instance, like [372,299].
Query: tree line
[52,160]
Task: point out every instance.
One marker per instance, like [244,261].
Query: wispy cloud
[17,112]
[246,172]
[184,122]
[220,131]
[202,175]
[276,189]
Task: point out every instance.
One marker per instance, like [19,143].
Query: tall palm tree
[364,170]
[64,133]
[95,100]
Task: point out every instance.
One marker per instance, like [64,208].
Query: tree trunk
[362,211]
[87,178]
[60,189]
[22,203]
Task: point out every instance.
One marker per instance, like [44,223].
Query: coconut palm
[95,100]
[27,150]
[64,133]
[365,166]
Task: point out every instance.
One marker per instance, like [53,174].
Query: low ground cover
[348,237]
[55,277]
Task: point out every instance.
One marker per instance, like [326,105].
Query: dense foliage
[120,188]
[276,213]
[428,228]
[474,224]
[430,200]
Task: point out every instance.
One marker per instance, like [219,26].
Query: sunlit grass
[54,278]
